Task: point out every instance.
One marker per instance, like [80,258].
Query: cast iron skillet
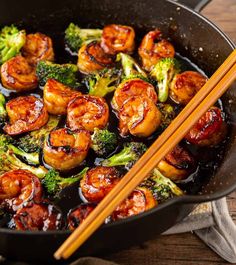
[194,37]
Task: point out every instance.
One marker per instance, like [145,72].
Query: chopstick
[203,100]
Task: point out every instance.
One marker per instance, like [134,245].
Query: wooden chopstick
[220,81]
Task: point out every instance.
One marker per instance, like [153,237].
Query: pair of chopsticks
[202,101]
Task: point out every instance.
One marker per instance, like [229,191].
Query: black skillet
[194,37]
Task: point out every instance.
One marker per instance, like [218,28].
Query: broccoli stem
[120,159]
[104,84]
[68,181]
[75,37]
[3,112]
[9,162]
[130,67]
[162,180]
[8,53]
[89,35]
[53,182]
[163,72]
[163,89]
[127,156]
[32,158]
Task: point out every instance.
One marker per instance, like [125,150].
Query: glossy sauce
[70,197]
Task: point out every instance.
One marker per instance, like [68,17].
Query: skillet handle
[197,5]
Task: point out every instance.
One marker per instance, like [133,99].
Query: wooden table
[186,249]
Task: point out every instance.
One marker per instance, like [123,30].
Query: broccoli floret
[11,41]
[163,72]
[64,73]
[33,141]
[3,112]
[167,114]
[75,37]
[6,142]
[53,182]
[103,142]
[103,82]
[127,157]
[8,161]
[130,68]
[162,188]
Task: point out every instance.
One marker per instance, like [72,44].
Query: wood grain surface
[186,249]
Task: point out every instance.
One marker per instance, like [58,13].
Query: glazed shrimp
[133,87]
[64,149]
[87,112]
[38,216]
[139,116]
[25,114]
[79,214]
[153,48]
[117,38]
[92,58]
[140,200]
[57,96]
[18,187]
[98,182]
[210,130]
[184,86]
[38,47]
[17,74]
[178,164]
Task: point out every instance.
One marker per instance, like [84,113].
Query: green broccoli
[103,141]
[164,72]
[64,73]
[11,41]
[33,141]
[6,142]
[167,114]
[127,157]
[75,37]
[3,112]
[162,188]
[8,161]
[53,182]
[103,82]
[130,68]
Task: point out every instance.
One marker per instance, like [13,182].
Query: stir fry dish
[70,129]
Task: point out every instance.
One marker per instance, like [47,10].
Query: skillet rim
[186,199]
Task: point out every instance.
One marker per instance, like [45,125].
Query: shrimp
[140,200]
[92,58]
[117,38]
[87,112]
[38,47]
[17,74]
[177,165]
[26,114]
[139,116]
[98,182]
[64,149]
[210,130]
[133,87]
[79,214]
[153,48]
[38,216]
[17,187]
[184,86]
[57,96]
